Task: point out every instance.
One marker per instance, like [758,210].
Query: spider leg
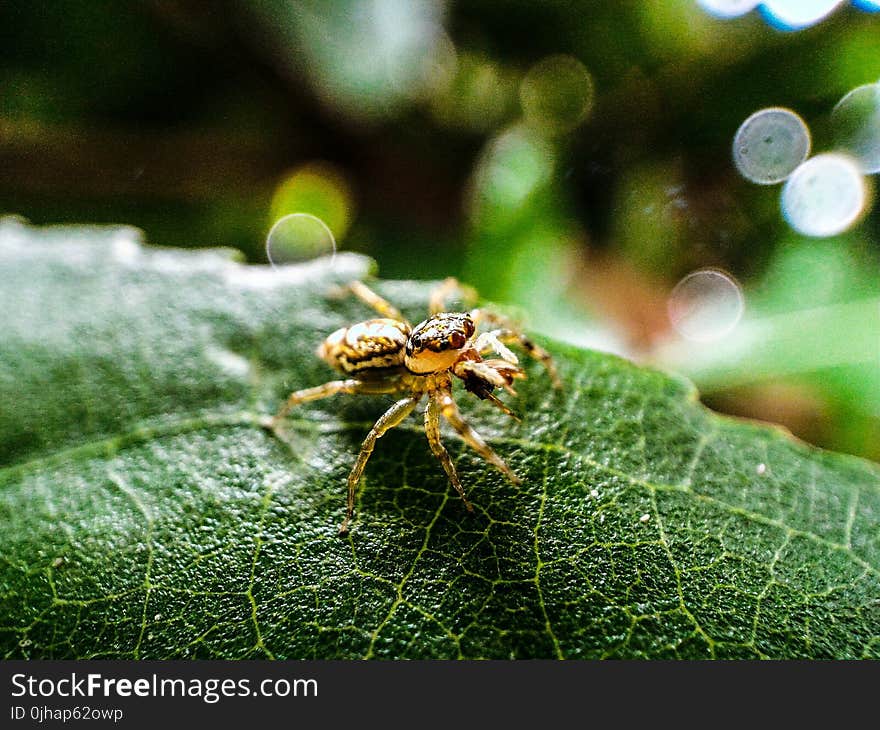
[332,388]
[446,288]
[487,342]
[508,332]
[497,373]
[432,429]
[391,418]
[472,438]
[371,299]
[498,403]
[481,376]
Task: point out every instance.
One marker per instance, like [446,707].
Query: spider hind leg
[351,386]
[373,300]
[446,289]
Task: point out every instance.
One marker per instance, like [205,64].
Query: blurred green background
[570,159]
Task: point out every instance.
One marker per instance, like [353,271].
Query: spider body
[377,344]
[438,343]
[388,355]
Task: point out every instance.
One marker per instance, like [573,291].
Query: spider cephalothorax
[437,343]
[388,355]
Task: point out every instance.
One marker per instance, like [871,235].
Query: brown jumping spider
[389,355]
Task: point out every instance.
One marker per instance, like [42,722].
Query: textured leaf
[145,513]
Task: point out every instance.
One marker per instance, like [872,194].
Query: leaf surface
[145,513]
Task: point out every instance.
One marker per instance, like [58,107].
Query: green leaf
[144,511]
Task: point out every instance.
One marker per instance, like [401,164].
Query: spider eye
[457,340]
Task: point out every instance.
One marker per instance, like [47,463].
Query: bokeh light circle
[825,196]
[511,167]
[317,188]
[556,93]
[770,144]
[706,305]
[299,237]
[728,8]
[797,14]
[856,120]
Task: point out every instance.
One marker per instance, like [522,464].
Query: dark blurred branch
[80,162]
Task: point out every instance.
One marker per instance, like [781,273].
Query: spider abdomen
[376,344]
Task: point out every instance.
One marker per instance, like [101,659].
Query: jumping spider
[389,355]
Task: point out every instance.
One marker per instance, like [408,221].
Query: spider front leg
[451,413]
[487,342]
[508,332]
[432,429]
[326,390]
[391,418]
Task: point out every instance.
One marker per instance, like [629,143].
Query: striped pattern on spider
[389,355]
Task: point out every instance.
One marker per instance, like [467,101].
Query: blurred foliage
[401,124]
